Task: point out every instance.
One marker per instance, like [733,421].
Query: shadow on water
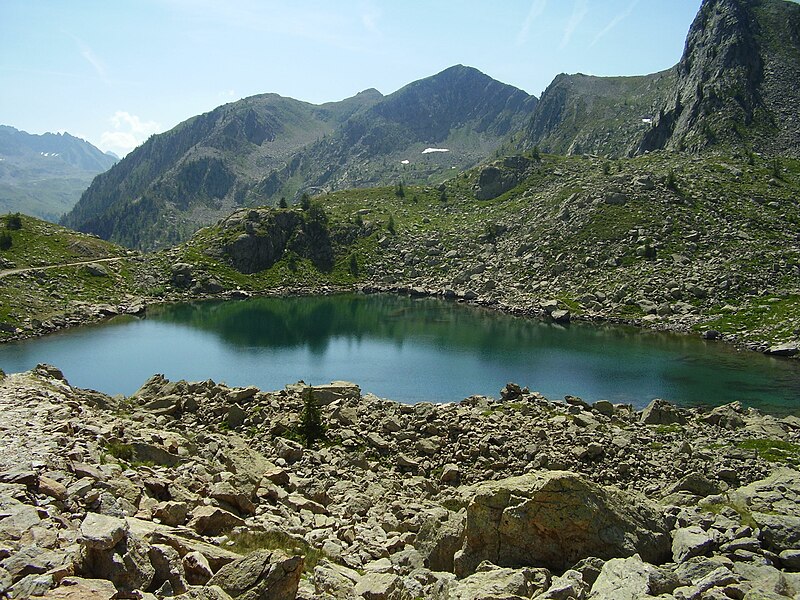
[412,350]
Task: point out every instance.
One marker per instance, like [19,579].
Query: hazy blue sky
[113,72]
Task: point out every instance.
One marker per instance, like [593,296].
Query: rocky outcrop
[499,177]
[553,520]
[262,236]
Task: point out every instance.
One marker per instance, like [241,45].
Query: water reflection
[409,350]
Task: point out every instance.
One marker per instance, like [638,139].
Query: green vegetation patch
[245,542]
[773,450]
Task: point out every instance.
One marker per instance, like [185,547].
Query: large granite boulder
[554,519]
[261,575]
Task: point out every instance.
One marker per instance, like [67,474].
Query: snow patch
[648,121]
[405,162]
[49,153]
[431,150]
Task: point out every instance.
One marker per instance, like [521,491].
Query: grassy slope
[44,294]
[723,229]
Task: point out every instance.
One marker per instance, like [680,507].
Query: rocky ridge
[196,490]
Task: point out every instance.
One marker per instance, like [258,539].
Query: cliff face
[731,88]
[733,80]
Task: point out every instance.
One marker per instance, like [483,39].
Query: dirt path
[8,272]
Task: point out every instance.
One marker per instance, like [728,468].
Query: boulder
[379,586]
[569,585]
[661,412]
[126,565]
[335,390]
[553,519]
[632,579]
[440,536]
[261,575]
[787,349]
[335,580]
[78,588]
[688,542]
[101,532]
[212,520]
[168,568]
[491,581]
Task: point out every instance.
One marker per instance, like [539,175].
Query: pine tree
[311,426]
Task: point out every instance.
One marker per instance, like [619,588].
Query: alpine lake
[409,350]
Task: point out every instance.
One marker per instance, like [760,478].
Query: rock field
[197,490]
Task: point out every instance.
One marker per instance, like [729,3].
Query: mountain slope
[169,185]
[731,89]
[460,110]
[44,175]
[599,115]
[258,149]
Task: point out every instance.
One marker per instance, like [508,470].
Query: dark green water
[407,350]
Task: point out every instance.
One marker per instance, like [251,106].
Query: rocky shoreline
[198,490]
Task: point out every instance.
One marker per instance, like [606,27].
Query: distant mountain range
[732,90]
[45,175]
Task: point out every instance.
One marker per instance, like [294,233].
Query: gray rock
[631,579]
[440,536]
[288,450]
[379,586]
[261,575]
[554,519]
[335,580]
[212,520]
[101,532]
[168,568]
[786,349]
[126,565]
[491,581]
[778,532]
[688,542]
[661,412]
[196,568]
[569,586]
[790,559]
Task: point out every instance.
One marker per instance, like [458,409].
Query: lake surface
[407,350]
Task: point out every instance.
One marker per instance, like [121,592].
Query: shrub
[14,221]
[5,240]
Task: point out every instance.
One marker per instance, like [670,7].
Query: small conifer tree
[353,265]
[5,241]
[282,203]
[311,426]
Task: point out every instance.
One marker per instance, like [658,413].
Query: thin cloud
[578,14]
[370,16]
[89,56]
[128,132]
[537,8]
[614,22]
